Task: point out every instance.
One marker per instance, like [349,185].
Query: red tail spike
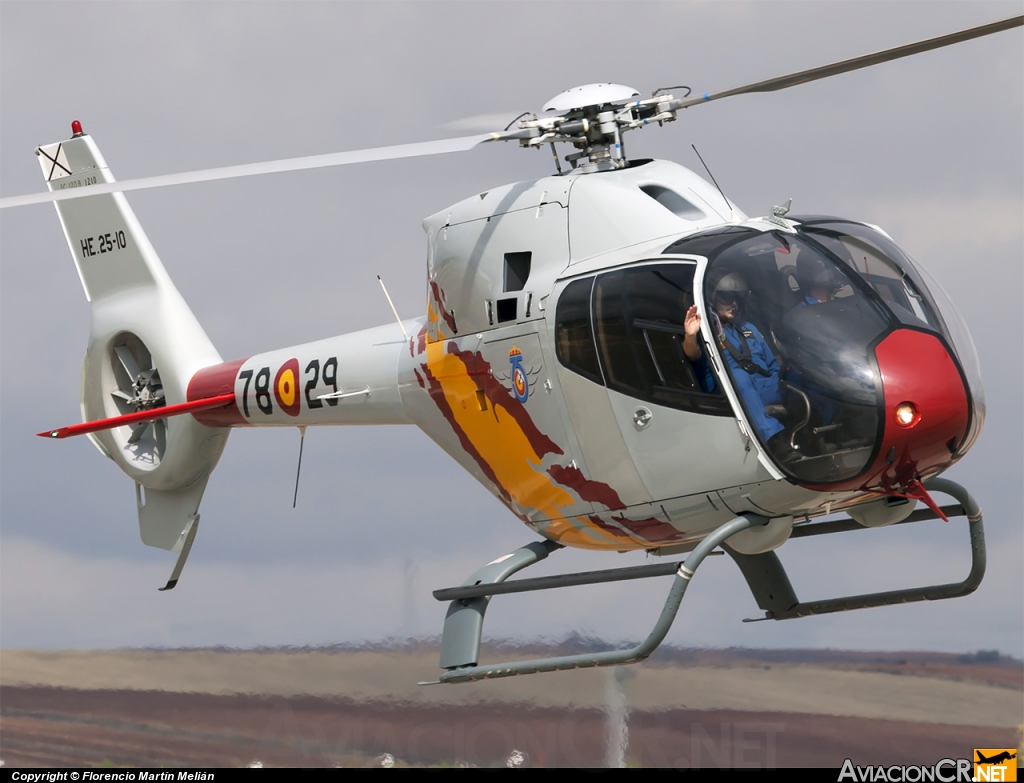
[133,418]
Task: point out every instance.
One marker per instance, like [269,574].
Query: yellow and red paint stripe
[511,451]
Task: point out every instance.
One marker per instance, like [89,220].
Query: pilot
[754,369]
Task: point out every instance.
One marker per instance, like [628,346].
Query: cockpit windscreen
[795,327]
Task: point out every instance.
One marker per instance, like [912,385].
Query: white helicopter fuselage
[551,363]
[578,462]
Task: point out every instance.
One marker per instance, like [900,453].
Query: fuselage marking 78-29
[285,388]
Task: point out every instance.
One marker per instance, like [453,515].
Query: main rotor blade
[824,71]
[420,149]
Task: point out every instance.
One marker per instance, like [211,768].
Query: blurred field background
[348,706]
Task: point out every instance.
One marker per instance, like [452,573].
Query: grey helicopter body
[619,354]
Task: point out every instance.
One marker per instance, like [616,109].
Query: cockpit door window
[625,329]
[639,325]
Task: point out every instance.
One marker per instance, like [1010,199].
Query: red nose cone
[925,412]
[926,408]
[76,128]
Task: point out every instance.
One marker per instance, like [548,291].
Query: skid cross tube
[844,525]
[773,592]
[560,580]
[684,574]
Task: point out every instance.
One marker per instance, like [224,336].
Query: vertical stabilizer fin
[111,251]
[145,345]
[165,515]
[188,535]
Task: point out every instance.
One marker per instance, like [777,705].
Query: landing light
[907,415]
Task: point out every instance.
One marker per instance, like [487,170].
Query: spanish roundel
[286,387]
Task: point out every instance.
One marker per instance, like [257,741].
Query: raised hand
[691,325]
[692,322]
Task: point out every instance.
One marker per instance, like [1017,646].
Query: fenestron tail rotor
[138,389]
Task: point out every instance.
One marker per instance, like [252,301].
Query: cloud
[993,218]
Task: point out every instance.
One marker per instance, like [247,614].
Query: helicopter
[530,368]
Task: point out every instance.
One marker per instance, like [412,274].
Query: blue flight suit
[754,389]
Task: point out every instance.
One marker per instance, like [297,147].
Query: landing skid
[773,592]
[460,642]
[767,579]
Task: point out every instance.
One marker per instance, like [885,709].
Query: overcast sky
[930,148]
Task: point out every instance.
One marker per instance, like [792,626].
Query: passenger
[819,283]
[754,369]
[816,279]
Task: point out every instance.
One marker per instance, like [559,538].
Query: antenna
[385,290]
[298,470]
[732,211]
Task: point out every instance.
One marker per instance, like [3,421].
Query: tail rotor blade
[127,361]
[138,430]
[160,434]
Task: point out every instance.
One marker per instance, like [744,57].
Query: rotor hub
[594,118]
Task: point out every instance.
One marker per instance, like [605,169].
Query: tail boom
[345,380]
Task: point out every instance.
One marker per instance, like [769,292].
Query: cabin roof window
[673,202]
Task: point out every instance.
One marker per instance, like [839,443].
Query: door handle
[642,419]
